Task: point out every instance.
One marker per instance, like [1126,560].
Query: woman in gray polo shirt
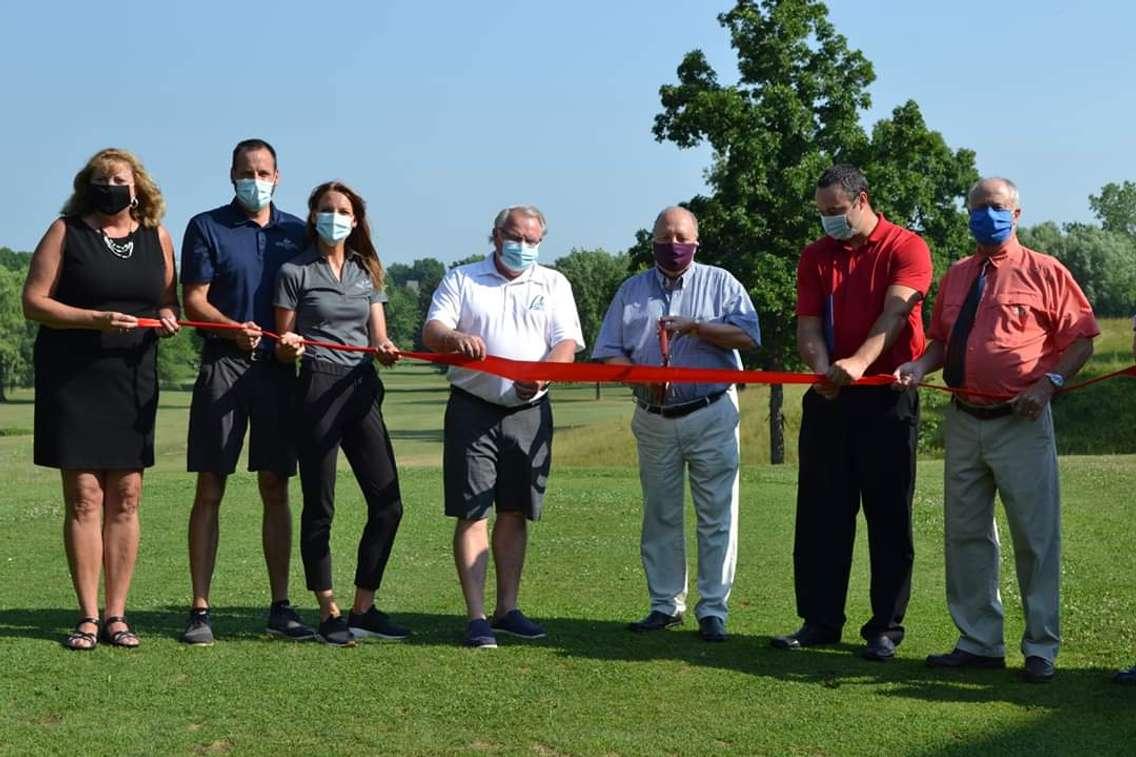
[332,292]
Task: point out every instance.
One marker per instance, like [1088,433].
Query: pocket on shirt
[1013,314]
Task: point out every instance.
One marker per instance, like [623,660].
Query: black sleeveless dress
[96,393]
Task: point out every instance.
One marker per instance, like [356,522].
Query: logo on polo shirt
[537,303]
[363,285]
[287,244]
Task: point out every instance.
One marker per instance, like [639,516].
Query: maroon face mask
[674,256]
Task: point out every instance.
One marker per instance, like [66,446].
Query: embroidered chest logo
[363,285]
[287,244]
[537,303]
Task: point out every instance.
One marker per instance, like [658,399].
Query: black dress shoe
[712,628]
[1126,677]
[655,621]
[806,636]
[881,649]
[962,659]
[1038,670]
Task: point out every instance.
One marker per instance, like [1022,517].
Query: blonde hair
[151,205]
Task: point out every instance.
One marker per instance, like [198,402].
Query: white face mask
[837,227]
[254,194]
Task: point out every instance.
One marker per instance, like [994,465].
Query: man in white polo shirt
[498,433]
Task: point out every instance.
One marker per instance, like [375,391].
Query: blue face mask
[837,227]
[333,228]
[517,256]
[254,194]
[991,227]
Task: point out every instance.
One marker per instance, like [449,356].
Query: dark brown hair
[359,240]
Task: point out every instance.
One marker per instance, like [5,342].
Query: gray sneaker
[199,629]
[285,623]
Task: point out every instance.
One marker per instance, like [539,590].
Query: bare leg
[327,605]
[204,528]
[83,538]
[122,496]
[471,555]
[276,531]
[364,600]
[510,537]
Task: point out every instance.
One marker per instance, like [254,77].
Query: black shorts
[234,390]
[495,454]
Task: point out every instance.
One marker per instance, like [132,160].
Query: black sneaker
[373,624]
[514,623]
[479,635]
[284,622]
[334,631]
[199,629]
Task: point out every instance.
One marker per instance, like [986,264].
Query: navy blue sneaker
[334,632]
[516,624]
[373,624]
[479,635]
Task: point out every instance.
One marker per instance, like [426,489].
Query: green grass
[591,687]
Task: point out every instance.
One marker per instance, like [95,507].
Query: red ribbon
[590,373]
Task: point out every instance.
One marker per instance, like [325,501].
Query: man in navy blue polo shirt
[229,261]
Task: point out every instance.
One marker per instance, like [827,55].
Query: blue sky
[441,113]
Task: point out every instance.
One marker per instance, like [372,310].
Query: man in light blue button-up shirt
[684,427]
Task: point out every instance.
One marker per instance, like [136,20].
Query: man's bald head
[994,191]
[676,224]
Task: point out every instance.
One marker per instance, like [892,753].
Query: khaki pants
[705,443]
[1016,458]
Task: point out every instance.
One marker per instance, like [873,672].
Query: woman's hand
[387,352]
[169,319]
[113,321]
[290,347]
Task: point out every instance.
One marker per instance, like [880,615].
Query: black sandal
[76,636]
[115,639]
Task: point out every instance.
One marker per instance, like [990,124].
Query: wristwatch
[1056,379]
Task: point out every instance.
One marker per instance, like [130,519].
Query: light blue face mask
[254,194]
[837,227]
[333,228]
[517,256]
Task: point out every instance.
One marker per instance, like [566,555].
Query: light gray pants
[705,443]
[1017,458]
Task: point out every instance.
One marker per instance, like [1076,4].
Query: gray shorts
[495,454]
[234,392]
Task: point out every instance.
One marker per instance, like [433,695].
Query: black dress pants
[339,406]
[857,448]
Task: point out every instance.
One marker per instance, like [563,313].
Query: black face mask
[109,199]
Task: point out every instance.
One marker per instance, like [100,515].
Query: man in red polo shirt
[1010,326]
[859,290]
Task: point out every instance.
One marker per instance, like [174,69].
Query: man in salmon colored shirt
[859,290]
[1011,326]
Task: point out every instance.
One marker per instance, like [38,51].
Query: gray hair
[1011,189]
[529,211]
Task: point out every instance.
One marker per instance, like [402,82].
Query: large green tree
[1115,206]
[794,111]
[15,336]
[1103,262]
[595,275]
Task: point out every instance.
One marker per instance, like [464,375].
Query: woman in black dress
[105,263]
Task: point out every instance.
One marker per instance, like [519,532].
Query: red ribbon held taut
[590,373]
